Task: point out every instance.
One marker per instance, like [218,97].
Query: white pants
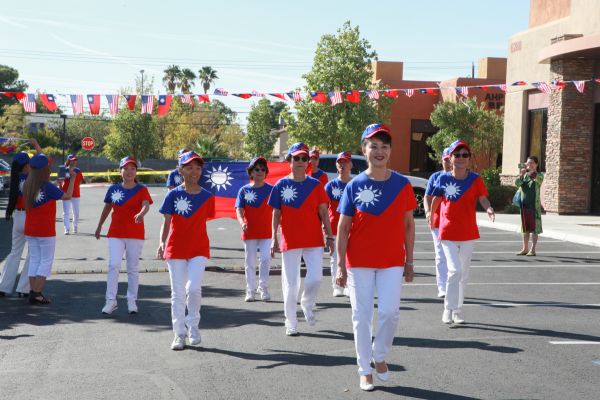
[69,205]
[333,268]
[11,266]
[458,256]
[132,249]
[362,284]
[186,290]
[251,246]
[290,281]
[41,255]
[441,266]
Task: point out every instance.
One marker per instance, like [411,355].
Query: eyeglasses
[300,158]
[459,155]
[256,169]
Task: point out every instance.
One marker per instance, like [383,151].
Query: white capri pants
[333,268]
[69,205]
[458,255]
[441,266]
[251,246]
[11,266]
[41,255]
[362,284]
[186,290]
[132,249]
[290,281]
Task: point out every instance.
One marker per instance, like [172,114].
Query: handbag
[517,198]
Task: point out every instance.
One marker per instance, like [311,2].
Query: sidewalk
[581,229]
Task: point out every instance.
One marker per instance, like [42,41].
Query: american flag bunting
[373,94]
[579,85]
[77,103]
[335,98]
[28,102]
[113,103]
[147,104]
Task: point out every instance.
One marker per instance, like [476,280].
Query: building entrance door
[595,204]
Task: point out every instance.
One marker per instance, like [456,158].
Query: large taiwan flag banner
[224,180]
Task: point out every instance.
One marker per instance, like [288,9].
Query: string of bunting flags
[163,101]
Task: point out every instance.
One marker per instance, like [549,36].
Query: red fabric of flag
[130,101]
[353,96]
[242,95]
[278,95]
[319,97]
[48,101]
[393,93]
[203,98]
[94,103]
[164,103]
[17,95]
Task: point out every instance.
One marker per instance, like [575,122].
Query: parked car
[4,174]
[359,164]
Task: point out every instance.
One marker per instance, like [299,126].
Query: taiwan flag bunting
[335,98]
[353,96]
[221,92]
[187,99]
[558,85]
[164,103]
[94,103]
[373,94]
[203,98]
[542,87]
[409,92]
[130,101]
[28,102]
[579,85]
[77,103]
[485,88]
[278,95]
[49,102]
[318,97]
[17,95]
[147,104]
[393,93]
[113,103]
[430,91]
[6,147]
[242,95]
[519,83]
[224,180]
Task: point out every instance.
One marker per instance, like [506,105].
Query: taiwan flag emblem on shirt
[334,190]
[126,204]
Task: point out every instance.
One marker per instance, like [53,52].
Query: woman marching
[73,203]
[529,182]
[457,193]
[300,206]
[184,244]
[255,215]
[40,198]
[129,202]
[16,211]
[376,236]
[334,190]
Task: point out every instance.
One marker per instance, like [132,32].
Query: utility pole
[63,136]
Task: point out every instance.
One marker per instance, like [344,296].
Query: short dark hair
[383,136]
[251,167]
[535,160]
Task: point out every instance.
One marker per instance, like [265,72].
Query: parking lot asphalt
[532,331]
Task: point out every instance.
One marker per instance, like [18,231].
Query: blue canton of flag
[224,179]
[118,195]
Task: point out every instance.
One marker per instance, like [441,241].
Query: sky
[85,47]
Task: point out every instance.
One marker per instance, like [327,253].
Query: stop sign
[87,143]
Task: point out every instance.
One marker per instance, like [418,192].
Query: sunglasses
[257,169]
[459,155]
[300,158]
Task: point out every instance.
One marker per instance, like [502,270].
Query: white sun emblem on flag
[40,197]
[289,194]
[368,196]
[219,177]
[451,191]
[177,179]
[183,206]
[336,192]
[250,196]
[117,196]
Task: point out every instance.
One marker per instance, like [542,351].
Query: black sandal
[38,298]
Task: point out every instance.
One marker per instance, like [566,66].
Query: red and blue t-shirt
[458,220]
[334,190]
[40,220]
[174,178]
[20,204]
[78,180]
[258,213]
[378,209]
[321,176]
[187,233]
[435,217]
[299,205]
[126,204]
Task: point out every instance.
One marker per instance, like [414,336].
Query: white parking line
[511,283]
[531,305]
[572,342]
[498,241]
[512,253]
[569,266]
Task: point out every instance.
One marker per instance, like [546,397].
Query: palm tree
[187,80]
[207,76]
[171,78]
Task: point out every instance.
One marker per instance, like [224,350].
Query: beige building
[561,128]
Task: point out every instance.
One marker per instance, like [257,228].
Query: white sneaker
[66,231]
[291,331]
[338,292]
[132,307]
[249,295]
[346,292]
[264,294]
[178,343]
[441,295]
[109,307]
[447,317]
[194,336]
[75,230]
[310,319]
[458,318]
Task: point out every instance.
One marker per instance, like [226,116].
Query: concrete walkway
[581,229]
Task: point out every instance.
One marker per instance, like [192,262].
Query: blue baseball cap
[128,160]
[446,153]
[255,160]
[72,157]
[298,148]
[39,161]
[344,155]
[314,153]
[188,157]
[181,152]
[457,144]
[373,129]
[21,158]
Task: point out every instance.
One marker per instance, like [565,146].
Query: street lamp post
[64,134]
[142,89]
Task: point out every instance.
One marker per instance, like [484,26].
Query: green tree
[172,78]
[9,82]
[277,108]
[342,62]
[131,133]
[207,77]
[186,81]
[97,127]
[259,140]
[12,121]
[469,121]
[209,147]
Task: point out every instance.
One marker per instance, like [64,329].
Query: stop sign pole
[87,143]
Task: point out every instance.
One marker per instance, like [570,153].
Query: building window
[420,162]
[536,145]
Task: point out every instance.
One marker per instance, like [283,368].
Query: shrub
[500,197]
[491,177]
[97,179]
